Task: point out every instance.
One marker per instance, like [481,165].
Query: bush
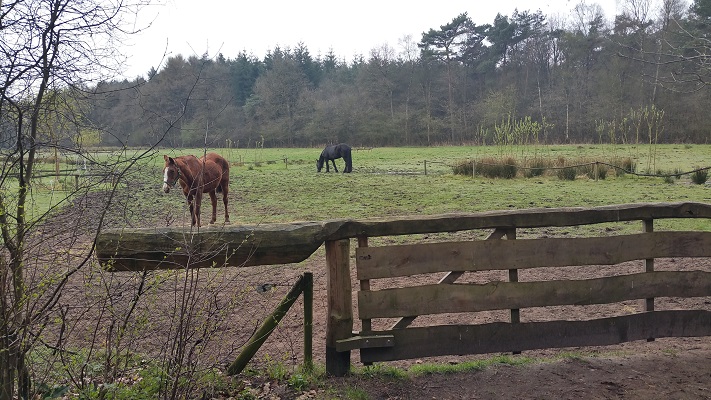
[509,169]
[489,167]
[463,167]
[567,173]
[536,167]
[700,176]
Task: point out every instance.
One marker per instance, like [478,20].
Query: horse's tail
[349,160]
[225,172]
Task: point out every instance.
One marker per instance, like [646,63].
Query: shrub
[463,167]
[509,169]
[565,171]
[536,167]
[489,167]
[700,176]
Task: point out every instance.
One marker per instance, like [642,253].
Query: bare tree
[47,48]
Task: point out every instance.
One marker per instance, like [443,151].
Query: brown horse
[209,174]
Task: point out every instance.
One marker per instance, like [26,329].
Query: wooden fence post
[340,309]
[513,277]
[648,226]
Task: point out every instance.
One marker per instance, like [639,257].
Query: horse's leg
[213,200]
[191,205]
[198,200]
[334,165]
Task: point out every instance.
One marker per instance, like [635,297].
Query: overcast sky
[191,27]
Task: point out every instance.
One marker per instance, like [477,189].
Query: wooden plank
[524,218]
[505,337]
[365,342]
[454,298]
[215,246]
[451,277]
[405,260]
[339,323]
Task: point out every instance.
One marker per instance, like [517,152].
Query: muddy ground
[668,368]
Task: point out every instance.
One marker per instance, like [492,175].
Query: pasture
[391,181]
[282,185]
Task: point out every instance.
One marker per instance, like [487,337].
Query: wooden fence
[288,243]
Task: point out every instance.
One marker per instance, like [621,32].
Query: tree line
[639,77]
[580,79]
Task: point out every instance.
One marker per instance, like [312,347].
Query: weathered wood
[365,342]
[505,337]
[648,226]
[525,218]
[366,325]
[340,309]
[308,294]
[450,277]
[435,299]
[412,259]
[236,245]
[218,246]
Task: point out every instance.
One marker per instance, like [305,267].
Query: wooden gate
[453,259]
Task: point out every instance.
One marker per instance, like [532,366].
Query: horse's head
[319,164]
[171,174]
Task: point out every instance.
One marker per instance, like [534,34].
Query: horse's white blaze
[166,187]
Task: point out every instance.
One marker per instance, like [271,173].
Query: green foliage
[477,365]
[354,393]
[275,369]
[383,370]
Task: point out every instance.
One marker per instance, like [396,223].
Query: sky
[190,27]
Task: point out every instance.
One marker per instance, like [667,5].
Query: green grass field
[392,181]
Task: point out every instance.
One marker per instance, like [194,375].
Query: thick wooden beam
[505,337]
[235,246]
[455,298]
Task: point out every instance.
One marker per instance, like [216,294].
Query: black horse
[331,153]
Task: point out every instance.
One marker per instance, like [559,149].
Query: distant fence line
[574,166]
[425,163]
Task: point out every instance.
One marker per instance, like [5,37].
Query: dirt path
[685,374]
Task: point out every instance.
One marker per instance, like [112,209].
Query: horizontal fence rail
[267,244]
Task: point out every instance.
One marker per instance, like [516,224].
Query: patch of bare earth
[667,368]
